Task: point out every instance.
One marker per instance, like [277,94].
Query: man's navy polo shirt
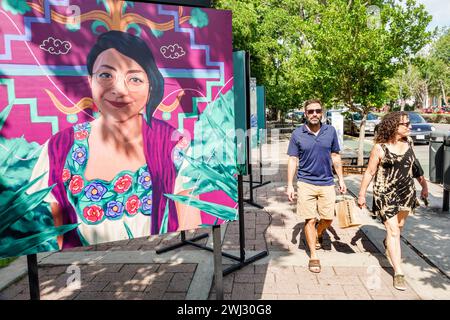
[314,153]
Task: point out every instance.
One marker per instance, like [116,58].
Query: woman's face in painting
[120,86]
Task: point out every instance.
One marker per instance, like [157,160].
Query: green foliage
[334,50]
[16,6]
[217,210]
[211,163]
[199,18]
[26,221]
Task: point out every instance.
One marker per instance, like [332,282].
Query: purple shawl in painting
[159,142]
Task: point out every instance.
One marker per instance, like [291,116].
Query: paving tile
[277,288]
[180,282]
[60,295]
[52,270]
[266,296]
[321,289]
[254,278]
[185,267]
[96,296]
[156,290]
[126,286]
[101,268]
[93,286]
[243,291]
[174,296]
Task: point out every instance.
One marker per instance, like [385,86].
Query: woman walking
[394,165]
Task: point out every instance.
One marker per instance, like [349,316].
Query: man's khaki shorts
[314,201]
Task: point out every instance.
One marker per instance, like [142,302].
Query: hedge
[436,118]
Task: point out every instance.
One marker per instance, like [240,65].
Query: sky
[440,10]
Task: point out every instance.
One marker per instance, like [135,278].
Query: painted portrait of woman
[111,175]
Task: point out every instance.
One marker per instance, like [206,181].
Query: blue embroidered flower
[79,155]
[114,209]
[95,191]
[147,205]
[177,157]
[81,126]
[145,180]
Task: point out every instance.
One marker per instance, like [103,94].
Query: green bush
[6,261]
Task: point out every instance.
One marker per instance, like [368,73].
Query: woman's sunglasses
[406,124]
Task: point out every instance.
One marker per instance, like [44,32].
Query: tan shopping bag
[346,212]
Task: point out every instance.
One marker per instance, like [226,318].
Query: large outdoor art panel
[117,122]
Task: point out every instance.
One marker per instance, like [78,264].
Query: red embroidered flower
[123,184]
[132,205]
[76,184]
[80,135]
[93,213]
[66,175]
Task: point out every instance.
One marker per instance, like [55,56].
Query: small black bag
[417,170]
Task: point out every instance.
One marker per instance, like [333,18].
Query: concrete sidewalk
[353,267]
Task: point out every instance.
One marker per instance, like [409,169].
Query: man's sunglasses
[312,111]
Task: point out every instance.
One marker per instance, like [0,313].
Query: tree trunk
[278,115]
[362,134]
[444,96]
[425,94]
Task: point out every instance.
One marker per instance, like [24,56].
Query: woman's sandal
[314,265]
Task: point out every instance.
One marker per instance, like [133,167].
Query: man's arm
[337,164]
[291,171]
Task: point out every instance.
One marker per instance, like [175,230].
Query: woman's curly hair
[387,128]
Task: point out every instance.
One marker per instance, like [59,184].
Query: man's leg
[325,205]
[310,234]
[306,208]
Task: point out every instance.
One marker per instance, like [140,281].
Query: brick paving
[114,281]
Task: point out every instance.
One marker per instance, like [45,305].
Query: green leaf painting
[15,6]
[199,18]
[217,210]
[211,164]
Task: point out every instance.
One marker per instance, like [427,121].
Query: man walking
[314,147]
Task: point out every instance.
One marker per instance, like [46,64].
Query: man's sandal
[314,265]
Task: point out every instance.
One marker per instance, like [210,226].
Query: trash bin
[446,168]
[436,156]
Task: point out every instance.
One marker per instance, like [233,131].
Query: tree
[271,31]
[355,52]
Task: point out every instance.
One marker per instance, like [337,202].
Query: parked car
[296,116]
[420,129]
[352,123]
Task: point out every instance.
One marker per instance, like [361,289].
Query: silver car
[352,123]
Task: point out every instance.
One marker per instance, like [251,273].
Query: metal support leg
[182,243]
[445,203]
[251,201]
[33,277]
[218,272]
